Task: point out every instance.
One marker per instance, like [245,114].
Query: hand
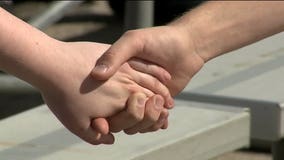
[165,46]
[76,98]
[135,117]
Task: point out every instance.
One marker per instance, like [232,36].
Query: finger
[154,85]
[107,139]
[100,125]
[121,51]
[159,124]
[133,114]
[152,69]
[166,124]
[90,136]
[153,109]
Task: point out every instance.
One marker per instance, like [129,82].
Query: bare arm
[183,46]
[24,49]
[61,71]
[218,27]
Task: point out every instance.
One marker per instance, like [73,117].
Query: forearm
[218,27]
[23,49]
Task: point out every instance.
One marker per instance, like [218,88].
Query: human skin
[183,46]
[76,98]
[61,71]
[186,44]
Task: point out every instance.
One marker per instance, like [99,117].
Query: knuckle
[154,83]
[134,116]
[133,88]
[157,84]
[151,115]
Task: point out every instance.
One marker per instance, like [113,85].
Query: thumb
[100,125]
[120,52]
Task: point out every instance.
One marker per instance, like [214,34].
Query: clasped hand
[130,100]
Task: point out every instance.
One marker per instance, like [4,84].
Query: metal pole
[138,14]
[53,13]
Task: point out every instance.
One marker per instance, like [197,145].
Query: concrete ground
[94,21]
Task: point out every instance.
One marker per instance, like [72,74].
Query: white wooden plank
[252,77]
[195,133]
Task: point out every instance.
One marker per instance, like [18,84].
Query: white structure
[198,131]
[249,77]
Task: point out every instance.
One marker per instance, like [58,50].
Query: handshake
[96,89]
[94,103]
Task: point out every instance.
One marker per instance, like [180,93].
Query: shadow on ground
[16,103]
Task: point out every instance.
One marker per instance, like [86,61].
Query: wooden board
[197,131]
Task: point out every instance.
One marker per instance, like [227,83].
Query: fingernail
[159,103]
[141,102]
[101,68]
[167,76]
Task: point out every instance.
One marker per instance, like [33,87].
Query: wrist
[220,27]
[194,32]
[46,67]
[190,37]
[208,30]
[40,64]
[69,64]
[25,51]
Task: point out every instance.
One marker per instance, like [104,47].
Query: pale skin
[61,71]
[186,44]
